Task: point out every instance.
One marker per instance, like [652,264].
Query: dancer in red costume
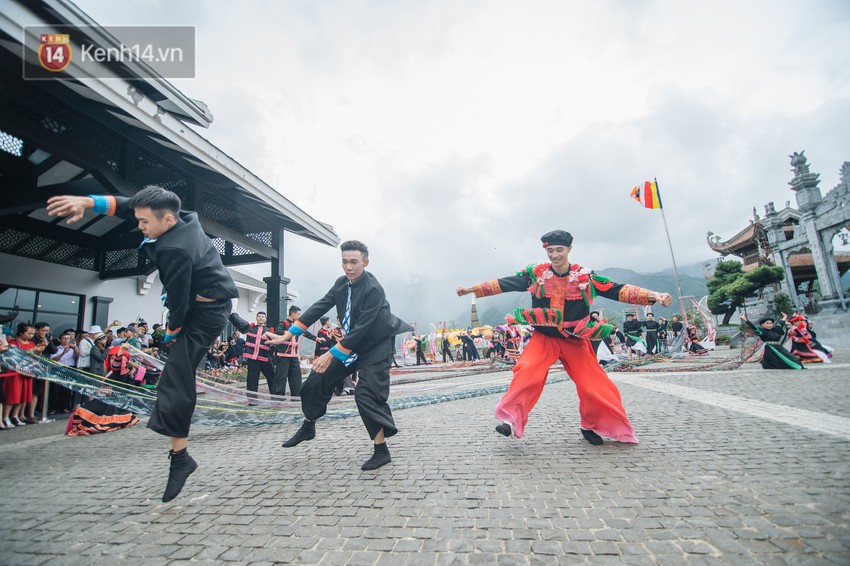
[801,341]
[561,295]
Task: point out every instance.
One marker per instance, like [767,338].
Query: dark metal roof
[91,135]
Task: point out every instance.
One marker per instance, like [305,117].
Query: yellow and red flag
[647,195]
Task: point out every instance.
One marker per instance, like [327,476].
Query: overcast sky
[449,135]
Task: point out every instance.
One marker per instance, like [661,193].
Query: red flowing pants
[600,405]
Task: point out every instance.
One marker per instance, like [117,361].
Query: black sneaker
[591,437]
[306,432]
[505,429]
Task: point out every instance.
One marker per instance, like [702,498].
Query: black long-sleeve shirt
[775,334]
[633,327]
[188,263]
[371,320]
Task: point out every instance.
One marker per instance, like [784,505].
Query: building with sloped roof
[802,240]
[98,128]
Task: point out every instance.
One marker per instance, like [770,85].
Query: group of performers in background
[805,347]
[280,364]
[658,336]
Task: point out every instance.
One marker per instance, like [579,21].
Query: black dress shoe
[591,437]
[306,432]
[182,465]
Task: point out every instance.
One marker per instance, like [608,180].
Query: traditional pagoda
[799,240]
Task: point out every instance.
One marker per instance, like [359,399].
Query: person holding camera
[62,398]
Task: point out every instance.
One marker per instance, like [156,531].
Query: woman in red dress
[18,388]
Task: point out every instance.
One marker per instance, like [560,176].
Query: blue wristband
[101,204]
[339,354]
[296,330]
[169,336]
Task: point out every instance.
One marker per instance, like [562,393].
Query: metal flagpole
[675,269]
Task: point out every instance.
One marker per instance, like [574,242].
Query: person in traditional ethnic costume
[325,338]
[772,334]
[513,340]
[287,356]
[369,330]
[694,345]
[471,349]
[676,326]
[824,351]
[652,327]
[594,319]
[446,347]
[662,335]
[120,366]
[198,292]
[257,355]
[96,417]
[561,295]
[604,346]
[420,354]
[801,341]
[633,330]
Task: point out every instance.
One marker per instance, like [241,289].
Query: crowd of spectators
[96,351]
[226,354]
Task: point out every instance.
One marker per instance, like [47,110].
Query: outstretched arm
[496,286]
[273,338]
[633,295]
[69,206]
[74,207]
[755,329]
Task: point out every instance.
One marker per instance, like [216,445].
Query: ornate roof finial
[798,162]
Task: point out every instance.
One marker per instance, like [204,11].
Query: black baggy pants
[287,369]
[370,394]
[255,367]
[420,356]
[447,352]
[175,392]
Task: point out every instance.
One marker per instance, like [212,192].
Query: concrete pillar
[827,288]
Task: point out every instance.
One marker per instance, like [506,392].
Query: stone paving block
[520,546]
[353,544]
[310,557]
[444,559]
[32,559]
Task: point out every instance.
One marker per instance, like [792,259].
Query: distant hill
[492,310]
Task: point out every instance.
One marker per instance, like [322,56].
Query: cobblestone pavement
[740,467]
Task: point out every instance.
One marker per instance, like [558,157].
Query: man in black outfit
[369,330]
[447,349]
[420,355]
[198,293]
